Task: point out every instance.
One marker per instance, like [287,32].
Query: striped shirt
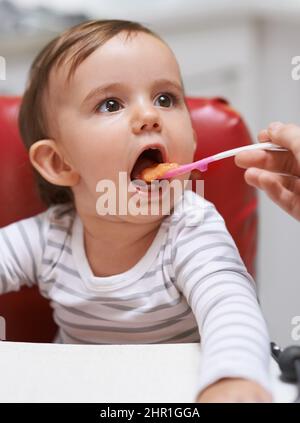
[190,286]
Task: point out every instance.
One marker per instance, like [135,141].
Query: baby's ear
[50,163]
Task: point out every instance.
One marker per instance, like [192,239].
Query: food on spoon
[156,171]
[150,165]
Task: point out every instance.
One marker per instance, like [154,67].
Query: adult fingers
[283,190]
[286,135]
[263,135]
[274,161]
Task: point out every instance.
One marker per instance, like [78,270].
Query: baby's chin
[140,202]
[135,206]
[149,206]
[157,199]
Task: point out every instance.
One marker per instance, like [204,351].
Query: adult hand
[277,173]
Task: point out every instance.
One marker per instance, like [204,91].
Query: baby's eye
[109,105]
[165,100]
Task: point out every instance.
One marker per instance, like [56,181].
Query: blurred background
[238,50]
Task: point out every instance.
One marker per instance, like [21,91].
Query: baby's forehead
[57,84]
[140,58]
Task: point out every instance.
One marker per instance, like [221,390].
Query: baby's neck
[114,247]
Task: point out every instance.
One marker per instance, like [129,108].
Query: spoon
[203,163]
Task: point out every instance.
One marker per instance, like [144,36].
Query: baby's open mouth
[149,158]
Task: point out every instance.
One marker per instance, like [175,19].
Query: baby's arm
[234,338]
[21,246]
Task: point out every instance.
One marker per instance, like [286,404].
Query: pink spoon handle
[200,164]
[203,163]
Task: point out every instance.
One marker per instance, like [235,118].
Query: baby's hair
[73,46]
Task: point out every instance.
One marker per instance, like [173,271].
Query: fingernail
[274,126]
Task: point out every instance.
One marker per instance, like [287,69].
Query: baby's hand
[234,390]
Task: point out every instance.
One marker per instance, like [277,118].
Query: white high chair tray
[107,373]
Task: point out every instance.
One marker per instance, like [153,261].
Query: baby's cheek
[94,170]
[184,143]
[187,151]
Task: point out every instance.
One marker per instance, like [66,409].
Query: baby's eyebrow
[117,85]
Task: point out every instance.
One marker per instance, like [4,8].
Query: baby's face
[125,97]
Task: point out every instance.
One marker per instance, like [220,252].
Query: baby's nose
[147,125]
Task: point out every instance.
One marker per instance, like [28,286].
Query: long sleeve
[210,273]
[21,246]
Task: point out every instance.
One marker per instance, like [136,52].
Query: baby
[104,98]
